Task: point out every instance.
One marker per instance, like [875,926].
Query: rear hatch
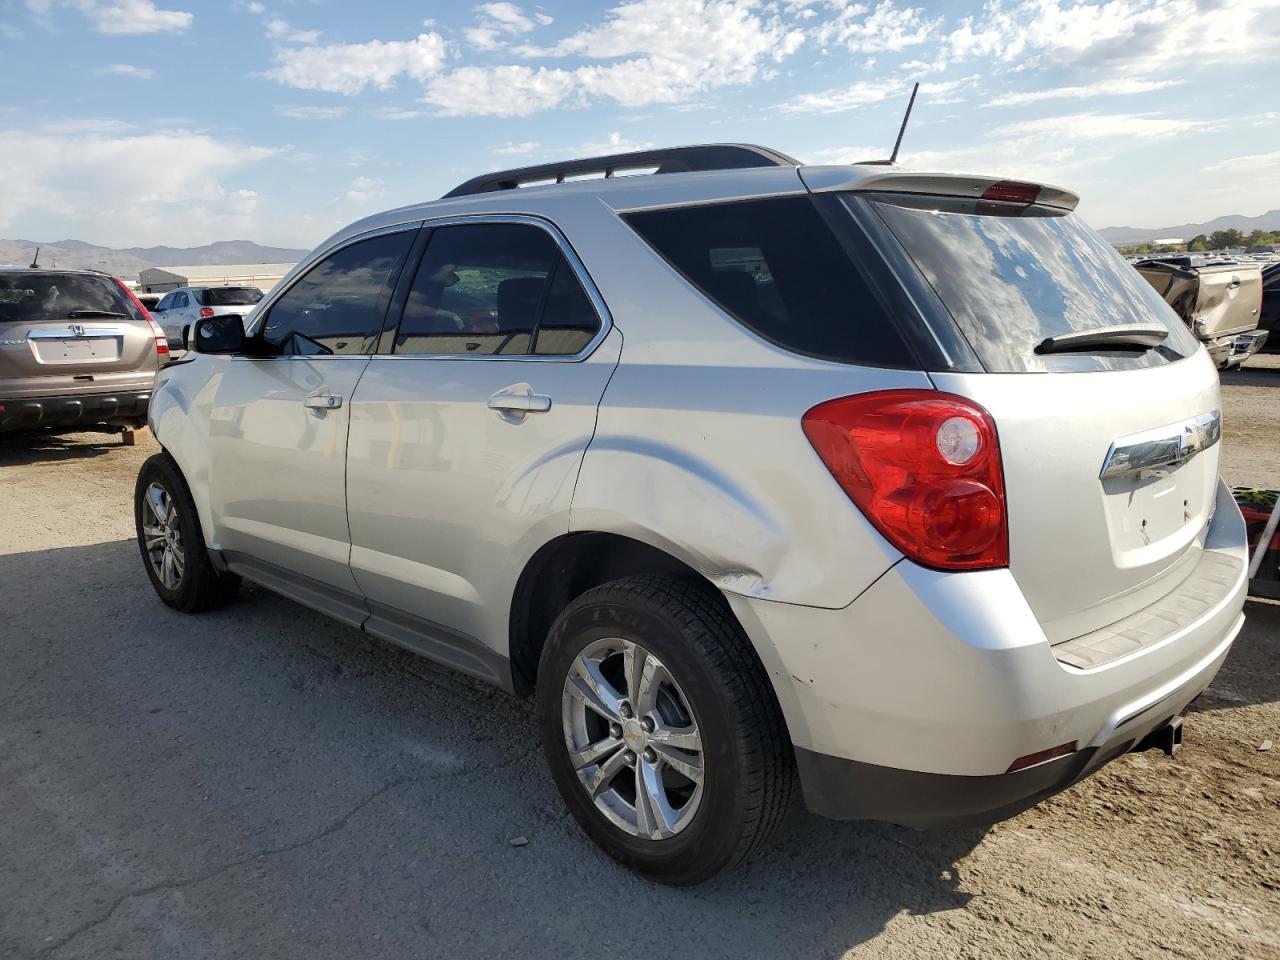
[65,334]
[1105,406]
[225,300]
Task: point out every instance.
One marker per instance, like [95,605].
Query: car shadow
[17,449]
[258,760]
[1249,674]
[1251,376]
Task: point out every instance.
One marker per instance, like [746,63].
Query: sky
[145,122]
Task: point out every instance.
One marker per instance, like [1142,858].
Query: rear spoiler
[862,177]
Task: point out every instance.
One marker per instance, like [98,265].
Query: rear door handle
[324,401]
[520,403]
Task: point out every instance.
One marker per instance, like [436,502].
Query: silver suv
[902,486]
[179,309]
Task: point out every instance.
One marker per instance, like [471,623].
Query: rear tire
[710,747]
[171,542]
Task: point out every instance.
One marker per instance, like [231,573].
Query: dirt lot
[262,783]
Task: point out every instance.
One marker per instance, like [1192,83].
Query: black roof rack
[712,156]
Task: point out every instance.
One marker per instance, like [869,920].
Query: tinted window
[179,300]
[230,296]
[478,291]
[338,305]
[1012,276]
[39,296]
[776,267]
[569,321]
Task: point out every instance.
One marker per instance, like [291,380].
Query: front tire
[172,544]
[661,729]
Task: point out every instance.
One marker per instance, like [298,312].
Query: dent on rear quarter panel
[179,417]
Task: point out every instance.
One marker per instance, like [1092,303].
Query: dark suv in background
[77,349]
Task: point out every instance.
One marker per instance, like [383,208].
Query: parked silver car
[904,483]
[179,309]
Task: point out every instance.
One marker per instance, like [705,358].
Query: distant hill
[1267,221]
[126,263]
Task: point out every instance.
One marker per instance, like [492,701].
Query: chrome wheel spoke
[599,781]
[158,502]
[588,684]
[595,752]
[683,738]
[654,817]
[686,764]
[167,575]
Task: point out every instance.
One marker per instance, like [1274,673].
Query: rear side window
[1012,276]
[338,305]
[776,267]
[40,296]
[230,296]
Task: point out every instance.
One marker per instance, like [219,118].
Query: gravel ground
[260,782]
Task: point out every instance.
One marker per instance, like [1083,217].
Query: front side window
[179,300]
[338,305]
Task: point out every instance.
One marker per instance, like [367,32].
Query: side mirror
[221,334]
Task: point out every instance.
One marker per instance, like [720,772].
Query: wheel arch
[573,563]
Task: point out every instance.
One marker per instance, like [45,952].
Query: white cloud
[311,112]
[506,91]
[1124,36]
[349,68]
[1251,163]
[510,149]
[128,189]
[614,143]
[399,113]
[1101,88]
[278,29]
[645,51]
[886,28]
[120,16]
[498,23]
[865,92]
[1095,126]
[364,190]
[128,70]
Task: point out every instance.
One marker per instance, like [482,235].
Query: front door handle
[323,401]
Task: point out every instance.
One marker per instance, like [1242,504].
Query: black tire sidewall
[711,840]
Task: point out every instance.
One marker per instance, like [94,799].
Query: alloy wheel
[162,537]
[632,739]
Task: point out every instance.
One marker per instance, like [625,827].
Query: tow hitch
[1167,738]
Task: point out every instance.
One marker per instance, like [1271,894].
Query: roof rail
[712,156]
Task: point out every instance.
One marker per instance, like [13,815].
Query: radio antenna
[905,117]
[35,261]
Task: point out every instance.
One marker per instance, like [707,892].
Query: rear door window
[1012,276]
[776,267]
[230,296]
[40,296]
[337,307]
[495,289]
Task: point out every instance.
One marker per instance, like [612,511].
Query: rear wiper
[1123,336]
[80,314]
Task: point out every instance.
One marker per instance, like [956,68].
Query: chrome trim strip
[1163,446]
[66,333]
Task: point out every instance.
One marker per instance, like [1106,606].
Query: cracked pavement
[260,782]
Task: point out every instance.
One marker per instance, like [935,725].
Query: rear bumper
[1245,345]
[910,704]
[42,413]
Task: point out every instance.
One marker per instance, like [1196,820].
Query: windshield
[231,296]
[40,296]
[1012,276]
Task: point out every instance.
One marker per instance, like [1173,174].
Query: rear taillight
[206,312]
[162,342]
[924,468]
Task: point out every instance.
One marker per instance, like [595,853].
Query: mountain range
[126,263]
[1267,221]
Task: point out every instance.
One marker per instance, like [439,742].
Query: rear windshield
[40,296]
[1012,276]
[231,296]
[776,267]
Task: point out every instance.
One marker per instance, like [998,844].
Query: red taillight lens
[924,468]
[162,342]
[1010,191]
[1042,756]
[206,312]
